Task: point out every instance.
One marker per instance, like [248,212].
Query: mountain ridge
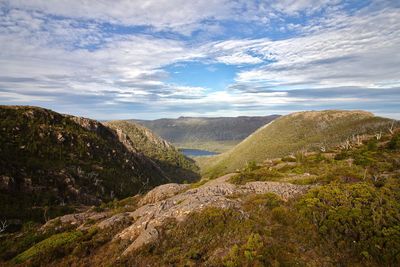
[291,133]
[209,133]
[52,161]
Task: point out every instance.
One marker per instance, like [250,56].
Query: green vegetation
[252,172]
[308,131]
[359,218]
[212,134]
[349,217]
[48,160]
[170,160]
[219,146]
[50,246]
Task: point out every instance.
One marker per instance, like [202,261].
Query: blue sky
[152,59]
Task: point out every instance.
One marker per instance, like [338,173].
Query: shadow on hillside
[179,174]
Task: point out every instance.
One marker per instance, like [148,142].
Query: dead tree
[3,226]
[391,128]
[378,136]
[346,145]
[359,140]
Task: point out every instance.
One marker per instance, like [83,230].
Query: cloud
[87,58]
[178,15]
[361,51]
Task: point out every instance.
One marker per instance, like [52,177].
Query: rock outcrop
[175,201]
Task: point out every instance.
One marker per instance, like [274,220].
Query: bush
[249,254]
[358,217]
[394,142]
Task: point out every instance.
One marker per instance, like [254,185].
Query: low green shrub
[358,217]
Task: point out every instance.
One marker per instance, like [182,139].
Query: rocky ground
[173,201]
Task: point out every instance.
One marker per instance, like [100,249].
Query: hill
[50,162]
[213,134]
[308,131]
[334,208]
[171,161]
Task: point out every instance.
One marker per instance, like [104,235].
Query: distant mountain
[171,161]
[298,131]
[55,161]
[216,134]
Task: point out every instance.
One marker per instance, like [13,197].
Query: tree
[3,226]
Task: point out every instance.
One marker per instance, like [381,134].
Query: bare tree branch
[3,225]
[391,128]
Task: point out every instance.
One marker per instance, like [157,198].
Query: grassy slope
[288,134]
[215,134]
[48,159]
[171,161]
[214,146]
[350,218]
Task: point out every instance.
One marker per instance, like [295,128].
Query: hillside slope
[171,161]
[214,134]
[53,160]
[336,208]
[309,130]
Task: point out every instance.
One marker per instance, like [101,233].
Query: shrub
[394,142]
[359,217]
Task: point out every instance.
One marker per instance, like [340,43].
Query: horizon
[150,60]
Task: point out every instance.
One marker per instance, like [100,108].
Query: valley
[211,134]
[190,152]
[295,195]
[223,133]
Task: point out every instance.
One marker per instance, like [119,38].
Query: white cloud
[180,15]
[360,51]
[77,64]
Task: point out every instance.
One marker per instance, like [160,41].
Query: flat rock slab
[162,204]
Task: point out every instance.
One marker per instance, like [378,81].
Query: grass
[218,146]
[49,246]
[304,131]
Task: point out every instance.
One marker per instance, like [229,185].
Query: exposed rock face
[162,192]
[173,201]
[215,193]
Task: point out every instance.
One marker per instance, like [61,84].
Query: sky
[153,59]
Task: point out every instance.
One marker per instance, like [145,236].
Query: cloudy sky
[167,58]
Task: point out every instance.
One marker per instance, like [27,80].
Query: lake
[197,152]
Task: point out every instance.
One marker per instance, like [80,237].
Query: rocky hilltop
[50,162]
